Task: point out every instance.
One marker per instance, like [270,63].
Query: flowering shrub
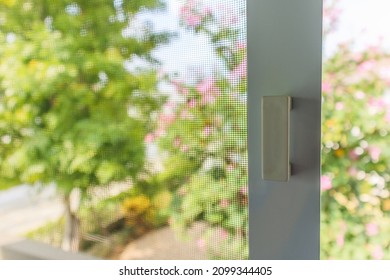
[355,222]
[205,131]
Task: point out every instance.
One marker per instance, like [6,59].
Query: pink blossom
[193,20]
[191,16]
[377,253]
[372,229]
[177,142]
[222,233]
[206,131]
[326,87]
[244,190]
[385,74]
[240,45]
[387,116]
[184,148]
[208,89]
[326,183]
[206,86]
[240,71]
[339,106]
[340,239]
[366,66]
[224,203]
[166,119]
[352,171]
[192,103]
[201,244]
[377,103]
[149,138]
[230,168]
[374,153]
[170,105]
[353,155]
[360,95]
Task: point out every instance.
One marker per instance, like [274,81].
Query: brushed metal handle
[275,137]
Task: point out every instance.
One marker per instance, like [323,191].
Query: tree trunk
[71,237]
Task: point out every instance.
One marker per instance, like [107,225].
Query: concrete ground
[163,244]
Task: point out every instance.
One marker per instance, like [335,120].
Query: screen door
[284,58]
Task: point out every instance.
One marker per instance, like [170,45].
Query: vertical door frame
[285,58]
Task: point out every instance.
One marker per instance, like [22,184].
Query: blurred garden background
[124,135]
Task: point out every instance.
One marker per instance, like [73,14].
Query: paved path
[162,244]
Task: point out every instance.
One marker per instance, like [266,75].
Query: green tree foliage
[70,111]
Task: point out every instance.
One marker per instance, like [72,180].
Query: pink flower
[340,239]
[184,148]
[387,116]
[166,119]
[377,104]
[367,66]
[206,131]
[374,153]
[230,168]
[353,155]
[240,71]
[372,229]
[208,89]
[326,87]
[222,233]
[326,183]
[206,86]
[224,203]
[339,106]
[377,253]
[240,45]
[149,138]
[193,20]
[192,103]
[244,190]
[360,95]
[191,16]
[352,171]
[201,244]
[177,142]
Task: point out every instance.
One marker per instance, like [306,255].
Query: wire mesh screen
[123,127]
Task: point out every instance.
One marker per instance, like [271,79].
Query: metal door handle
[275,137]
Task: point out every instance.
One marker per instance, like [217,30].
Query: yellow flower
[339,153]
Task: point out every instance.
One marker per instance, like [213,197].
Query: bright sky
[365,21]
